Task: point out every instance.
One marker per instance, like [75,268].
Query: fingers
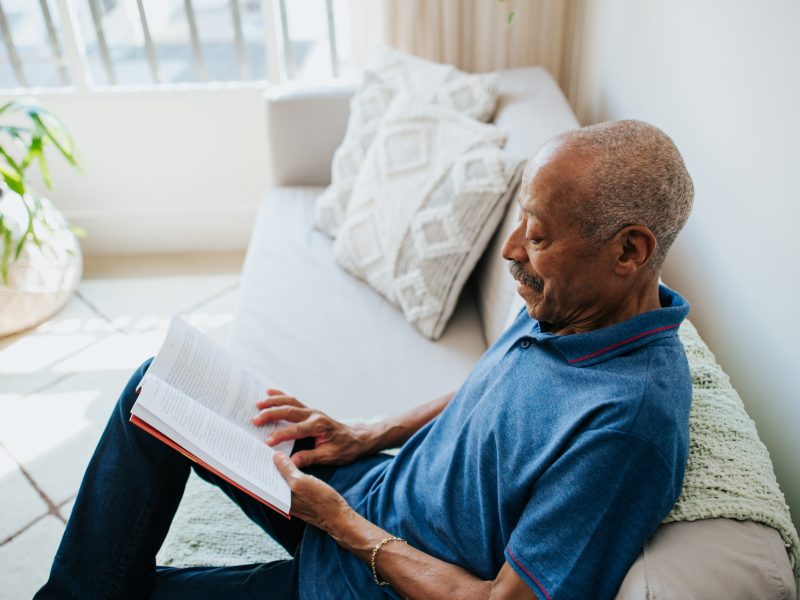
[278,398]
[285,466]
[293,432]
[305,458]
[282,413]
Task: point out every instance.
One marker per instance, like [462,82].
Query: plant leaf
[57,134]
[13,180]
[45,171]
[14,131]
[20,246]
[10,160]
[6,259]
[42,128]
[6,106]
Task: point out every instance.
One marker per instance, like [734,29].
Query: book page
[198,367]
[214,439]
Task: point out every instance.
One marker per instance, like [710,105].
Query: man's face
[564,279]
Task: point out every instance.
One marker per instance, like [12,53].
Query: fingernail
[270,439]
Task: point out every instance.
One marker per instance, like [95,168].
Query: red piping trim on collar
[528,573]
[623,342]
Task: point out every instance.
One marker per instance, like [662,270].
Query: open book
[195,398]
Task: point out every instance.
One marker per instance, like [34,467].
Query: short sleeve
[589,515]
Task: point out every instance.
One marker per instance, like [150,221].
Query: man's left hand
[313,500]
[334,443]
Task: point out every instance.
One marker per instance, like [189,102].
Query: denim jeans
[122,513]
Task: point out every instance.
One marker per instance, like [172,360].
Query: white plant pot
[43,278]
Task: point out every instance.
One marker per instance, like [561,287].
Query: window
[107,44]
[32,52]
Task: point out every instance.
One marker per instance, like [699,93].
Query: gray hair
[636,176]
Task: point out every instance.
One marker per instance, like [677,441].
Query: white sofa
[337,345]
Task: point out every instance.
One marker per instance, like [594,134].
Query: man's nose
[514,246]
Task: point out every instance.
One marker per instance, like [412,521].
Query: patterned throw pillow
[431,192]
[395,72]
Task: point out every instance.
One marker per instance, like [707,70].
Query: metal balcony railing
[93,43]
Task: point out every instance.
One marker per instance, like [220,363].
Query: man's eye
[534,241]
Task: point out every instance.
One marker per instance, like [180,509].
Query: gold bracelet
[375,551]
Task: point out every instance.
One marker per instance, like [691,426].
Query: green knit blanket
[729,474]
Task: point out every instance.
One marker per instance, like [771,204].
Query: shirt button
[525,343]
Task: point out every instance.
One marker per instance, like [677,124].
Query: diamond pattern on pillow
[430,194]
[404,149]
[436,83]
[435,232]
[393,73]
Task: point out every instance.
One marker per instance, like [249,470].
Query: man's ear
[634,246]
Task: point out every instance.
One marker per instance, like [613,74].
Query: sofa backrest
[531,109]
[306,124]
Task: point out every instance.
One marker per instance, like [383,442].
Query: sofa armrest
[305,125]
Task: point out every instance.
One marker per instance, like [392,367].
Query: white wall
[174,171]
[722,78]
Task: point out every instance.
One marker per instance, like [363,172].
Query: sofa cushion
[430,194]
[711,559]
[328,338]
[392,73]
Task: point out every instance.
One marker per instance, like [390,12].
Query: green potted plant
[40,258]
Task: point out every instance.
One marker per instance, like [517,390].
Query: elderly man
[541,477]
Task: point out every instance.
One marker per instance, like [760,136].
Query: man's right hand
[335,442]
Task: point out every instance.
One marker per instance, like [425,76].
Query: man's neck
[630,302]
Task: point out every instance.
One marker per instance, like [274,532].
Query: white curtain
[473,35]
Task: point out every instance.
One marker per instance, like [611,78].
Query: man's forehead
[544,155]
[552,175]
[534,206]
[548,151]
[552,152]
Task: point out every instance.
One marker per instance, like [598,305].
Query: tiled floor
[59,381]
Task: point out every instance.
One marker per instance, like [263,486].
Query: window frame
[76,64]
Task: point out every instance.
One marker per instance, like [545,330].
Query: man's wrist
[378,436]
[354,533]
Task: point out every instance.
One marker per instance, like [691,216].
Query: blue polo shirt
[560,454]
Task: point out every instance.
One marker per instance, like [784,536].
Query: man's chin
[532,299]
[527,291]
[532,311]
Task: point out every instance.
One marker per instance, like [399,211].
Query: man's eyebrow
[527,211]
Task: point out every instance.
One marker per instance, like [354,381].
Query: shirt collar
[592,347]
